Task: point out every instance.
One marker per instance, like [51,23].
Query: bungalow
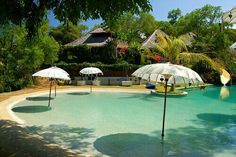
[96,38]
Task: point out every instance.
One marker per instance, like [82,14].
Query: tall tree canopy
[19,58]
[132,28]
[199,19]
[64,34]
[32,12]
[174,15]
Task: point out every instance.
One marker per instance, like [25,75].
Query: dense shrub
[132,56]
[208,74]
[20,57]
[108,69]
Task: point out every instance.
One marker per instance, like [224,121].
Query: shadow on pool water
[141,145]
[31,109]
[150,97]
[129,144]
[39,98]
[69,137]
[190,141]
[217,118]
[78,93]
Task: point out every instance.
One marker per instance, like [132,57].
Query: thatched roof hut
[96,38]
[151,41]
[188,38]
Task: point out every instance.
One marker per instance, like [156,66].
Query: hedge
[108,69]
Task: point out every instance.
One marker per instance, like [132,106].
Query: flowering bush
[124,49]
[155,58]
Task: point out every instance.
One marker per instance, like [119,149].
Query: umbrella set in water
[53,74]
[167,72]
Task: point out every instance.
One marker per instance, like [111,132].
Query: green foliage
[174,15]
[221,41]
[211,40]
[64,34]
[132,56]
[189,59]
[129,28]
[32,13]
[199,19]
[170,48]
[231,33]
[202,64]
[174,48]
[167,28]
[146,23]
[20,57]
[229,59]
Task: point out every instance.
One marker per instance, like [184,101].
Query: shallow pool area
[128,124]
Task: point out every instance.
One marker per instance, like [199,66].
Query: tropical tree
[209,69]
[133,29]
[176,51]
[20,57]
[190,59]
[198,20]
[146,23]
[170,47]
[33,12]
[209,39]
[174,15]
[167,27]
[64,34]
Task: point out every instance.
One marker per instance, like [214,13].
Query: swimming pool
[203,123]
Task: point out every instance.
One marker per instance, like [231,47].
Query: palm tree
[176,51]
[191,59]
[170,48]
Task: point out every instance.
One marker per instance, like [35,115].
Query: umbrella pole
[91,84]
[49,98]
[55,88]
[164,113]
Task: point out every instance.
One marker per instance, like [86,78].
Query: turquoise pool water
[201,124]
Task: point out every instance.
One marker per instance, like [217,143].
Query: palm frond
[189,59]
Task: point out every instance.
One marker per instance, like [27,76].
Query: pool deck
[17,141]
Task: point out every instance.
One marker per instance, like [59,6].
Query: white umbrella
[91,71]
[166,72]
[52,73]
[177,73]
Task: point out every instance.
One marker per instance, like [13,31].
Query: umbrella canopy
[230,16]
[91,70]
[166,71]
[177,73]
[224,77]
[53,72]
